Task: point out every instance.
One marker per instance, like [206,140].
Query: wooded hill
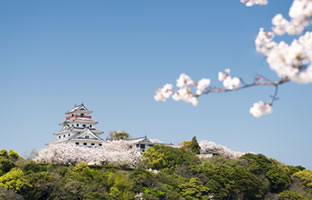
[164,173]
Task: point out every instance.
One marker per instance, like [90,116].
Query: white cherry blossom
[293,61]
[212,147]
[164,93]
[184,80]
[186,95]
[222,76]
[264,42]
[117,152]
[202,85]
[260,108]
[254,2]
[300,14]
[229,82]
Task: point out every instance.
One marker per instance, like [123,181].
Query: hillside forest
[163,173]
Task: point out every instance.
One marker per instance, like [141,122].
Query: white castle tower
[78,129]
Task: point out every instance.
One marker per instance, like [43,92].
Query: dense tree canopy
[164,173]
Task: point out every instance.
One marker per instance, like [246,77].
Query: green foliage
[13,155]
[289,195]
[279,180]
[305,176]
[194,189]
[193,145]
[257,163]
[294,169]
[5,165]
[9,195]
[180,176]
[14,180]
[118,135]
[42,185]
[4,153]
[97,196]
[168,157]
[153,159]
[229,180]
[33,167]
[142,179]
[186,145]
[195,148]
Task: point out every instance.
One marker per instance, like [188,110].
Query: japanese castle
[79,129]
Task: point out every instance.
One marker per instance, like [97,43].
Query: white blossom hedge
[208,146]
[292,62]
[121,153]
[115,152]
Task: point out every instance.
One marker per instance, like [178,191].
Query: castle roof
[87,134]
[79,121]
[66,130]
[79,109]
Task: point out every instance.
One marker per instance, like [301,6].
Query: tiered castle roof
[78,128]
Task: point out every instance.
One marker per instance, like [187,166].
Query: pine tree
[195,148]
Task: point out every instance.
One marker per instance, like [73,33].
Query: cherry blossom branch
[189,91]
[267,83]
[291,62]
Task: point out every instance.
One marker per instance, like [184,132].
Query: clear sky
[113,54]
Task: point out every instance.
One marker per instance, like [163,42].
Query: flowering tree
[117,152]
[292,62]
[211,147]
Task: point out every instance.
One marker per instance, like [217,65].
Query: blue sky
[112,55]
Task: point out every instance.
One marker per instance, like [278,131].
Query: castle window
[100,145]
[84,126]
[77,143]
[92,144]
[68,135]
[90,126]
[77,125]
[87,136]
[85,144]
[142,146]
[64,135]
[81,114]
[59,136]
[137,145]
[72,115]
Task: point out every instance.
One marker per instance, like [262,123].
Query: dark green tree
[170,157]
[195,148]
[279,180]
[194,190]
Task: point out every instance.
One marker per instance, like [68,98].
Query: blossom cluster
[292,61]
[254,2]
[212,147]
[260,108]
[300,13]
[117,152]
[184,91]
[229,82]
[189,90]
